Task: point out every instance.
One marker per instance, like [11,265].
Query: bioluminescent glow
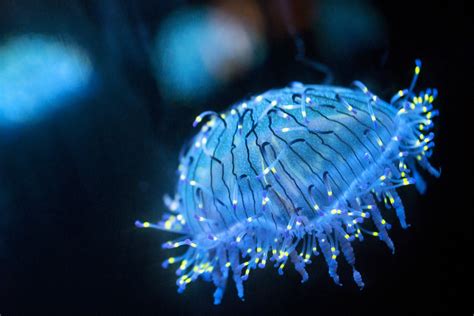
[196,50]
[292,173]
[37,74]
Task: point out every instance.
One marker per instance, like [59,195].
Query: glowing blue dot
[196,50]
[37,74]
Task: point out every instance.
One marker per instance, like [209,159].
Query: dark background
[72,184]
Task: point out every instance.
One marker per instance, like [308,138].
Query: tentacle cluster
[277,212]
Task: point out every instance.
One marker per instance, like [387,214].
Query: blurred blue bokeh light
[177,61]
[197,49]
[37,74]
